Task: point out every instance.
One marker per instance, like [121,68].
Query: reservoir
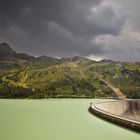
[56,119]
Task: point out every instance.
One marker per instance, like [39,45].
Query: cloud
[63,28]
[124,47]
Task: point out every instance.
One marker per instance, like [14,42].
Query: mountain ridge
[25,76]
[7,50]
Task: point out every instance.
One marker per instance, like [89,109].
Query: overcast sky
[62,28]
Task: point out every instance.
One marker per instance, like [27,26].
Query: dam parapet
[123,112]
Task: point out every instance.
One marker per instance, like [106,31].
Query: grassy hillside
[77,78]
[24,76]
[67,79]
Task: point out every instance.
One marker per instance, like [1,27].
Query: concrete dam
[122,112]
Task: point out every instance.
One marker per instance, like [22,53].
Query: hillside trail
[116,90]
[25,78]
[23,81]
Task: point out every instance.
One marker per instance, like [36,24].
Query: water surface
[56,119]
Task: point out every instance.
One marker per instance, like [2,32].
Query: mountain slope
[24,76]
[11,59]
[6,53]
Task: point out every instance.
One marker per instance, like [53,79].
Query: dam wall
[122,112]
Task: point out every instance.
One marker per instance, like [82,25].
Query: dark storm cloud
[58,27]
[29,14]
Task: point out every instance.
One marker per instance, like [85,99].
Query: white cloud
[95,58]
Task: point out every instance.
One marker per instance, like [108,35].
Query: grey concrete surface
[129,109]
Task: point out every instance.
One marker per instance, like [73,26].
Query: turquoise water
[56,119]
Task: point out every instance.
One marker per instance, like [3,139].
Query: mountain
[46,60]
[106,61]
[6,53]
[25,76]
[72,59]
[11,59]
[24,56]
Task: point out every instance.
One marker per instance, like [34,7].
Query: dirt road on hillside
[117,91]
